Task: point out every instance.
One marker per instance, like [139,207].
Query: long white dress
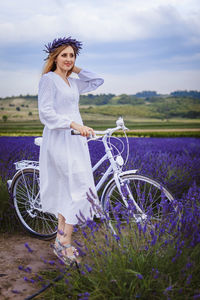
[65,166]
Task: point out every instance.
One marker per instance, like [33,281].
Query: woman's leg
[64,234]
[61,226]
[66,238]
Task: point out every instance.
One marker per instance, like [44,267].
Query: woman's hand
[76,69]
[84,130]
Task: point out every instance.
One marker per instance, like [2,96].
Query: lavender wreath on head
[51,47]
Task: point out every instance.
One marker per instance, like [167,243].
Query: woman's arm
[87,81]
[47,113]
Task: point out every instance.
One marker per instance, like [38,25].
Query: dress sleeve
[48,115]
[88,81]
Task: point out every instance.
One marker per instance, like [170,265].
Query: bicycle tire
[141,188]
[25,191]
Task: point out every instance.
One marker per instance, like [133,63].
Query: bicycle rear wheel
[152,200]
[25,192]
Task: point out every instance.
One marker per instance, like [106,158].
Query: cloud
[92,21]
[140,41]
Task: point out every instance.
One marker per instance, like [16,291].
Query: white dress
[65,166]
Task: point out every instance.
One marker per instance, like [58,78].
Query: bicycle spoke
[47,226]
[33,182]
[26,197]
[147,197]
[22,191]
[20,202]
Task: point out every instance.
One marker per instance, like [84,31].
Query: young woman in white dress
[65,166]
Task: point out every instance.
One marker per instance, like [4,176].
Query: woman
[65,166]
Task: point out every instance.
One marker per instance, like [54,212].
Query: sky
[135,45]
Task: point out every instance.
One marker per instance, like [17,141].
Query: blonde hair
[50,64]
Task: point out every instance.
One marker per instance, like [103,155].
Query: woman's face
[65,60]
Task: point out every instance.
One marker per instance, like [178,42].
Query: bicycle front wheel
[143,198]
[25,192]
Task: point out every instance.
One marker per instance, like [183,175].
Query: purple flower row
[173,161]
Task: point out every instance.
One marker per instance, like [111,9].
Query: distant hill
[147,104]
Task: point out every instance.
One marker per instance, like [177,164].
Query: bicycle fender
[112,180]
[10,182]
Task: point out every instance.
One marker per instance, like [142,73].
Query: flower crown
[51,47]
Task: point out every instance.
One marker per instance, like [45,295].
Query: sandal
[70,258]
[58,250]
[67,259]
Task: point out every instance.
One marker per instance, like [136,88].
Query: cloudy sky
[134,45]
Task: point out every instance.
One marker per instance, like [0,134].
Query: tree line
[103,99]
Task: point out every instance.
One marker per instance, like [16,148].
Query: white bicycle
[124,194]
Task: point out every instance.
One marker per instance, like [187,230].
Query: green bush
[4,118]
[8,222]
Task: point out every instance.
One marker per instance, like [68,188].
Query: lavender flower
[26,279]
[83,296]
[28,247]
[168,289]
[15,292]
[61,232]
[188,281]
[28,270]
[139,276]
[88,268]
[78,243]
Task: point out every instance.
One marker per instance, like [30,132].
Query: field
[156,262]
[141,260]
[143,119]
[142,128]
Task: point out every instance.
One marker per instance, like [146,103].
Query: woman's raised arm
[88,81]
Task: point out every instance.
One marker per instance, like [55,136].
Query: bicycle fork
[120,185]
[116,174]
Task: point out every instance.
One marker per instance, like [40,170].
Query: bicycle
[125,194]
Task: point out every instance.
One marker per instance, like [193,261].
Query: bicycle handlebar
[109,131]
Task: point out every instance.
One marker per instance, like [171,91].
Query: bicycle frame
[114,169]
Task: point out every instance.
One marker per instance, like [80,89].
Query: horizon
[115,95]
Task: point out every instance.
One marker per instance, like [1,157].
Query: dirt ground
[15,257]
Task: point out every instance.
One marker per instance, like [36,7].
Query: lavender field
[173,161]
[157,263]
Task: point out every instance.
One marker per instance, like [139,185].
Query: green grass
[100,123]
[103,124]
[8,221]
